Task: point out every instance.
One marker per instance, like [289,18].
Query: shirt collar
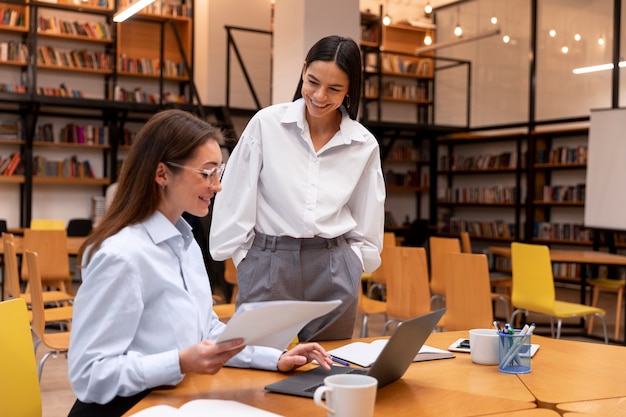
[161,229]
[348,131]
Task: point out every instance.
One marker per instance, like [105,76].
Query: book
[273,323]
[364,354]
[205,407]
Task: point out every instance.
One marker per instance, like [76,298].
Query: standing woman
[143,315]
[302,213]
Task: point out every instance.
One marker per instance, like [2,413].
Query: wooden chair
[468,294]
[533,288]
[20,394]
[377,280]
[51,246]
[226,311]
[408,290]
[608,285]
[368,307]
[439,248]
[496,280]
[56,342]
[57,313]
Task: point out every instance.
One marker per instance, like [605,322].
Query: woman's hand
[303,354]
[208,357]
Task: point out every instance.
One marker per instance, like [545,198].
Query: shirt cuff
[162,369]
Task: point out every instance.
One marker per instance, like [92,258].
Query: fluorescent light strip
[594,68]
[131,9]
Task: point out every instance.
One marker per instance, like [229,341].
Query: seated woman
[143,315]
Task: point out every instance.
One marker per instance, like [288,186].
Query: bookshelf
[396,82]
[74,97]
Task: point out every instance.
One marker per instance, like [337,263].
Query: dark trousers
[116,408]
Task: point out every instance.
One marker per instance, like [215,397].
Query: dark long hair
[346,54]
[171,135]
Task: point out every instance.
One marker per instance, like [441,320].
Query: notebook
[390,365]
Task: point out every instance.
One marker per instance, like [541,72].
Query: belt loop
[273,243]
[263,241]
[329,243]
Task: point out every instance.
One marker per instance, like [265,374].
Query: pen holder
[514,353]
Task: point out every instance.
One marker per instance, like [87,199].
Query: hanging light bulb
[387,18]
[428,40]
[457,30]
[428,9]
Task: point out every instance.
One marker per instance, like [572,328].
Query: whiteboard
[605,201]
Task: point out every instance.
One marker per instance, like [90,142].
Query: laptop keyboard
[352,371]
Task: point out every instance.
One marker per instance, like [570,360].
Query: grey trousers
[315,269]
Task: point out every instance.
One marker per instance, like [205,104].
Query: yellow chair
[47,224]
[51,245]
[19,387]
[376,279]
[468,293]
[533,288]
[56,342]
[408,291]
[609,285]
[57,313]
[226,311]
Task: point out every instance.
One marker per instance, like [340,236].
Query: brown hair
[171,135]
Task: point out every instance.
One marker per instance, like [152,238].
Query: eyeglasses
[210,175]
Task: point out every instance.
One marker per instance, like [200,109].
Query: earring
[163,186]
[347,102]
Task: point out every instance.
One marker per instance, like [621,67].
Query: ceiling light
[552,33]
[428,40]
[131,9]
[494,20]
[564,49]
[506,39]
[577,37]
[458,31]
[386,20]
[601,41]
[428,9]
[594,68]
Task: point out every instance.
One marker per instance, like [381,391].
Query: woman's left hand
[302,354]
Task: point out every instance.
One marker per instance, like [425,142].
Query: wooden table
[605,407]
[73,244]
[583,257]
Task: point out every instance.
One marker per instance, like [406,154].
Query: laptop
[390,365]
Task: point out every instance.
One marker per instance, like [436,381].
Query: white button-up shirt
[145,296]
[277,184]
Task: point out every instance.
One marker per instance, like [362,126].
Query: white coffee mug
[347,395]
[484,346]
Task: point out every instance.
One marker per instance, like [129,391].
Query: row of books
[176,8]
[396,90]
[487,229]
[93,3]
[563,155]
[407,153]
[92,30]
[13,51]
[562,231]
[504,160]
[397,64]
[560,193]
[128,137]
[12,88]
[406,179]
[60,91]
[11,165]
[12,17]
[559,269]
[73,133]
[67,168]
[370,33]
[479,195]
[13,130]
[137,95]
[151,66]
[83,58]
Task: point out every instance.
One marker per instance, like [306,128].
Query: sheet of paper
[365,354]
[203,408]
[273,323]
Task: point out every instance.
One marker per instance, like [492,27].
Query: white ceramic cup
[484,346]
[348,395]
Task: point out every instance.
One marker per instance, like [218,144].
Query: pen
[340,361]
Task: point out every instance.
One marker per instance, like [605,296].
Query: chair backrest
[3,226]
[79,227]
[533,282]
[51,246]
[440,248]
[468,293]
[38,323]
[19,385]
[378,276]
[466,243]
[11,274]
[230,275]
[408,291]
[47,224]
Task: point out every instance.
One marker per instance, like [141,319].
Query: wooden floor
[58,398]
